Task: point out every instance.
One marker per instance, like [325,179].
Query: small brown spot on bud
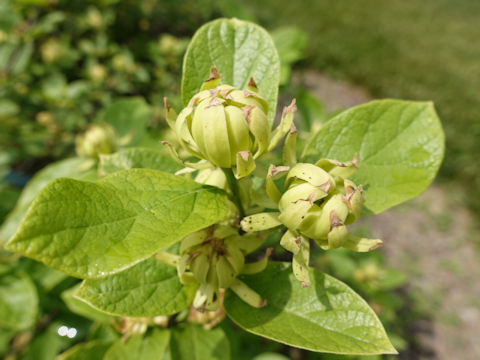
[252,82]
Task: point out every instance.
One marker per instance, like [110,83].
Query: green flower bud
[228,127]
[222,122]
[215,256]
[98,139]
[319,201]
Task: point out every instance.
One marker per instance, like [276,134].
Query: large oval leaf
[138,158]
[327,317]
[92,230]
[400,145]
[147,289]
[239,50]
[81,308]
[75,168]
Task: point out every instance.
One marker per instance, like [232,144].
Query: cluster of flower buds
[215,257]
[318,202]
[98,139]
[227,127]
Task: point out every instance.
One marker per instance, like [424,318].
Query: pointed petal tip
[269,252]
[376,246]
[244,155]
[355,161]
[274,170]
[214,74]
[290,108]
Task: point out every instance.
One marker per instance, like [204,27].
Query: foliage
[62,61]
[165,257]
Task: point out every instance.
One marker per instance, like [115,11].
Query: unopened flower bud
[318,202]
[98,139]
[227,126]
[215,256]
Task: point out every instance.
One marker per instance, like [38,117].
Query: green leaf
[129,117]
[327,316]
[45,278]
[92,230]
[239,50]
[93,350]
[75,168]
[81,307]
[400,145]
[193,342]
[18,301]
[150,347]
[138,158]
[5,337]
[148,289]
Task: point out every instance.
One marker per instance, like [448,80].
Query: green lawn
[411,49]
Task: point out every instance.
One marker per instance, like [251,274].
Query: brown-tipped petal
[214,74]
[376,246]
[275,170]
[244,164]
[284,127]
[335,220]
[165,103]
[325,186]
[213,79]
[252,85]
[355,161]
[290,241]
[290,108]
[246,111]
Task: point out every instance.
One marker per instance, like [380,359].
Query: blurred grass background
[409,49]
